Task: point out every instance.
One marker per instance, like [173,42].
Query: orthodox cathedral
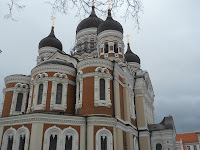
[95,98]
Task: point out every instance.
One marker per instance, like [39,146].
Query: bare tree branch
[14,4]
[130,8]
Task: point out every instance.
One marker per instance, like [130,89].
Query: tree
[131,8]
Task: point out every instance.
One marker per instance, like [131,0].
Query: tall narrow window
[22,142]
[92,43]
[10,143]
[53,142]
[40,92]
[102,89]
[68,143]
[106,48]
[19,102]
[59,93]
[103,143]
[115,48]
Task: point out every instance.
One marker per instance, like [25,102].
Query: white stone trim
[79,90]
[61,137]
[62,79]
[53,68]
[42,118]
[40,79]
[52,131]
[105,133]
[22,131]
[47,49]
[11,132]
[94,62]
[19,88]
[2,102]
[30,96]
[110,33]
[87,31]
[106,77]
[17,79]
[136,144]
[71,132]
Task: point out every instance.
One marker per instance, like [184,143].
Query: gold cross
[128,37]
[92,3]
[108,4]
[53,19]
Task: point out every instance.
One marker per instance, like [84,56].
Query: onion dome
[91,21]
[110,24]
[51,41]
[130,56]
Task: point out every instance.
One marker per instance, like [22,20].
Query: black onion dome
[91,21]
[110,24]
[130,56]
[51,41]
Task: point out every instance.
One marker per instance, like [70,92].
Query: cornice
[42,118]
[95,62]
[110,33]
[53,68]
[86,31]
[17,79]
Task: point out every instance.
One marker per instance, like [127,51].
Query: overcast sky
[168,45]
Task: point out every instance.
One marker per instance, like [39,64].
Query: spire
[52,32]
[93,14]
[108,5]
[92,3]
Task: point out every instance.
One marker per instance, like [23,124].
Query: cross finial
[128,36]
[92,3]
[53,19]
[108,4]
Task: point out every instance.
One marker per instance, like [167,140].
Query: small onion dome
[130,56]
[110,24]
[91,21]
[51,41]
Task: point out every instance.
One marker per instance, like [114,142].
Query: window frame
[19,88]
[105,133]
[102,73]
[40,79]
[59,78]
[79,90]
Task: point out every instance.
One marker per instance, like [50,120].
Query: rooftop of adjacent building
[189,137]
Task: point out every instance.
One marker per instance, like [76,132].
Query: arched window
[40,92]
[103,143]
[102,89]
[68,143]
[53,142]
[59,93]
[106,48]
[158,146]
[8,139]
[10,143]
[22,142]
[19,102]
[115,48]
[104,140]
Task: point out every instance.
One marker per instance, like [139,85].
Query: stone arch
[75,136]
[104,133]
[52,131]
[11,132]
[24,132]
[158,146]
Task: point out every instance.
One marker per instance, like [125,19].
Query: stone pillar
[90,138]
[82,138]
[36,136]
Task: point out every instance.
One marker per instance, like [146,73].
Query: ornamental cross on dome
[128,37]
[108,4]
[53,19]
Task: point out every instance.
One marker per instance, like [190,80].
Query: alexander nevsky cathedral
[95,98]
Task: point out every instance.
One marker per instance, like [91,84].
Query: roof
[166,123]
[110,24]
[190,137]
[51,41]
[91,21]
[130,56]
